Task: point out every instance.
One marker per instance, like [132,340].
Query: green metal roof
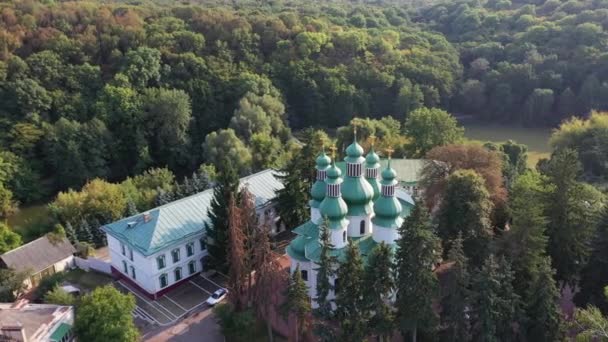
[408,170]
[60,332]
[179,220]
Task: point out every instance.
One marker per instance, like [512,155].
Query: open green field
[537,139]
[30,222]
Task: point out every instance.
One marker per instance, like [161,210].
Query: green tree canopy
[105,315]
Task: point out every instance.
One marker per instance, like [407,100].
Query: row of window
[177,274]
[124,251]
[175,254]
[125,269]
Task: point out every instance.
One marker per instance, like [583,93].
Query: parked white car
[217,297]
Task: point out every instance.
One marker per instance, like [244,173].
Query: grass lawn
[537,139]
[87,281]
[30,222]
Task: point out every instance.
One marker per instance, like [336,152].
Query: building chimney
[146,217]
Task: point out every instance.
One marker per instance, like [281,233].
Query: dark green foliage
[543,309]
[466,209]
[12,284]
[70,233]
[379,284]
[84,232]
[456,295]
[236,326]
[525,244]
[594,275]
[297,302]
[325,271]
[217,229]
[496,306]
[297,177]
[351,310]
[106,315]
[418,249]
[572,210]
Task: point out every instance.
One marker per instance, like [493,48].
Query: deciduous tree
[106,315]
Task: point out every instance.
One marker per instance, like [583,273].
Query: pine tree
[455,302]
[543,310]
[131,208]
[297,178]
[379,287]
[350,306]
[496,306]
[525,243]
[84,232]
[97,233]
[268,276]
[250,224]
[417,251]
[70,233]
[163,197]
[573,210]
[217,229]
[296,301]
[238,271]
[595,274]
[325,272]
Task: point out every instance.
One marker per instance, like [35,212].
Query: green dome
[354,150]
[376,186]
[388,211]
[296,248]
[333,173]
[317,192]
[357,190]
[372,159]
[388,175]
[334,208]
[323,161]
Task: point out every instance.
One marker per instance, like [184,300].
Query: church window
[304,274]
[362,227]
[336,285]
[343,236]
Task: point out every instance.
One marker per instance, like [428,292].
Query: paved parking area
[177,303]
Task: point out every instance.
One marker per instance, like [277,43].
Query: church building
[363,201]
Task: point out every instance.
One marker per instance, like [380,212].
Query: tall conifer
[218,212]
[379,287]
[350,306]
[325,273]
[455,302]
[296,301]
[542,309]
[417,251]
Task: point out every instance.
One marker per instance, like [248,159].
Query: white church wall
[354,225]
[386,235]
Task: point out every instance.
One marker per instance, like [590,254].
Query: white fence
[93,264]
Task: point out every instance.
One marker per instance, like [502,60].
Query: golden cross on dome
[372,140]
[355,124]
[389,151]
[333,149]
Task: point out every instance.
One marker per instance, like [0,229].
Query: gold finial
[372,140]
[355,124]
[389,152]
[333,149]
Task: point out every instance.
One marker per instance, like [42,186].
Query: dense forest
[110,90]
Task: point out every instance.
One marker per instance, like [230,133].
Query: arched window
[177,273]
[362,227]
[343,236]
